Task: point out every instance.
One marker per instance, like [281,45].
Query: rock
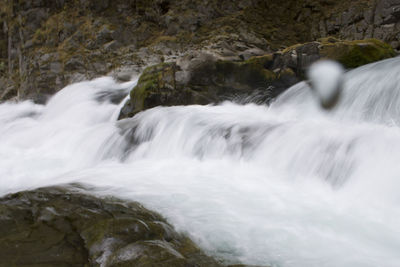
[155,87]
[125,73]
[350,54]
[100,6]
[251,52]
[104,35]
[74,64]
[56,67]
[8,89]
[108,33]
[28,44]
[112,46]
[387,12]
[65,227]
[203,79]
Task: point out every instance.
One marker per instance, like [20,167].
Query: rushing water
[285,185]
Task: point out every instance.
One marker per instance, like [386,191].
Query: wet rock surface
[56,226]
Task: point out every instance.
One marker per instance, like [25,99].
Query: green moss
[164,39]
[150,82]
[329,39]
[96,232]
[260,60]
[286,72]
[291,48]
[353,54]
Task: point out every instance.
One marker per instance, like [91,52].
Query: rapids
[282,185]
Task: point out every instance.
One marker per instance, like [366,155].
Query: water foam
[285,185]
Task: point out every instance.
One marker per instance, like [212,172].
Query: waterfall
[282,185]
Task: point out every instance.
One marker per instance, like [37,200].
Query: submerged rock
[65,227]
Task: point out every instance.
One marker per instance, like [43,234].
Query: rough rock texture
[45,45]
[378,19]
[201,78]
[204,79]
[59,227]
[351,54]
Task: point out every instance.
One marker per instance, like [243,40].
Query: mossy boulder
[65,227]
[157,86]
[351,54]
[205,79]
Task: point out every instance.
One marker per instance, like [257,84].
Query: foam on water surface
[284,185]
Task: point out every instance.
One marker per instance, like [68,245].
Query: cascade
[282,185]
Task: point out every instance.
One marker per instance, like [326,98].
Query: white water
[286,185]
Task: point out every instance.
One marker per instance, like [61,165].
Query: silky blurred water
[284,185]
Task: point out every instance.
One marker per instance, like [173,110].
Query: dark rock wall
[46,44]
[378,19]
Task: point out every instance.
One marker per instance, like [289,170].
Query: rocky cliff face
[45,45]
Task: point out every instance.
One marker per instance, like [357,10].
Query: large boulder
[203,79]
[351,54]
[60,227]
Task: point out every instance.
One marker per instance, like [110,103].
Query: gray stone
[74,64]
[125,73]
[59,226]
[104,35]
[28,44]
[56,67]
[112,46]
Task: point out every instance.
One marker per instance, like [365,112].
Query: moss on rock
[202,79]
[65,227]
[353,54]
[156,86]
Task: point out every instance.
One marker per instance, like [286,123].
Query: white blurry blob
[326,81]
